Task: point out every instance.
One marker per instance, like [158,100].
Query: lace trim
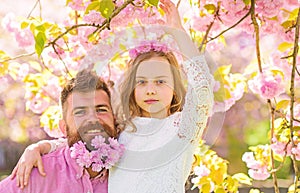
[198,100]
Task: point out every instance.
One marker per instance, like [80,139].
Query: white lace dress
[159,155]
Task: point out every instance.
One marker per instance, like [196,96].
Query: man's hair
[85,81]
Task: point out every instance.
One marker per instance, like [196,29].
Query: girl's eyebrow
[162,76]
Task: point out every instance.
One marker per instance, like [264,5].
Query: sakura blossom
[106,153]
[267,86]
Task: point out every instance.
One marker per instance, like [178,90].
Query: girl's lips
[150,101]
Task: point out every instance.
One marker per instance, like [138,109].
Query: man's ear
[63,127]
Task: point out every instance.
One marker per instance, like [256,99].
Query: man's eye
[102,109]
[79,112]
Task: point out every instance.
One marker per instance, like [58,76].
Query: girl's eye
[139,82]
[160,82]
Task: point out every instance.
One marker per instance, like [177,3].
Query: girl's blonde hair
[128,104]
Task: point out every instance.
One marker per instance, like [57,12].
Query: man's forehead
[94,98]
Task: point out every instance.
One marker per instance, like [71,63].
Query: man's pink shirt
[63,175]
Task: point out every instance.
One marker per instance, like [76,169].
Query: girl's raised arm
[174,27]
[199,97]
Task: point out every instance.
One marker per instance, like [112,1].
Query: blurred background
[245,124]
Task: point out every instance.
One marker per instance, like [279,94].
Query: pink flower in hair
[147,46]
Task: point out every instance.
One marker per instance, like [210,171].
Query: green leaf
[40,40]
[95,5]
[247,2]
[296,128]
[294,14]
[3,68]
[242,178]
[122,47]
[220,190]
[50,117]
[287,24]
[224,70]
[3,56]
[278,157]
[205,188]
[222,94]
[284,46]
[40,28]
[115,57]
[68,1]
[153,2]
[211,8]
[106,8]
[24,24]
[283,104]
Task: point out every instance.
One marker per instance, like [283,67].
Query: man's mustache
[91,126]
[98,126]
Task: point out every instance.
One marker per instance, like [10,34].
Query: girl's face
[154,87]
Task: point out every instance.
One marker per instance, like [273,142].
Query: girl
[164,123]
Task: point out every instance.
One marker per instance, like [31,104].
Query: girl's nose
[151,89]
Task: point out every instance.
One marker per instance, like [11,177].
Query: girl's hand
[172,15]
[29,159]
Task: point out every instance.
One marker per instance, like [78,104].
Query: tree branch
[295,53]
[204,40]
[257,42]
[35,5]
[17,57]
[66,68]
[104,24]
[234,25]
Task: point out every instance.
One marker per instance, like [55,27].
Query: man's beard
[83,135]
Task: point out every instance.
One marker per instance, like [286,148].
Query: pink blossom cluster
[93,17]
[234,10]
[267,85]
[53,88]
[296,151]
[201,171]
[285,66]
[296,114]
[23,37]
[236,90]
[138,14]
[281,148]
[257,170]
[105,156]
[78,5]
[147,46]
[286,149]
[37,104]
[268,8]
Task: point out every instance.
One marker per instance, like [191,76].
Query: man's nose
[92,116]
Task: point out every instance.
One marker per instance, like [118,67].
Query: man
[87,112]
